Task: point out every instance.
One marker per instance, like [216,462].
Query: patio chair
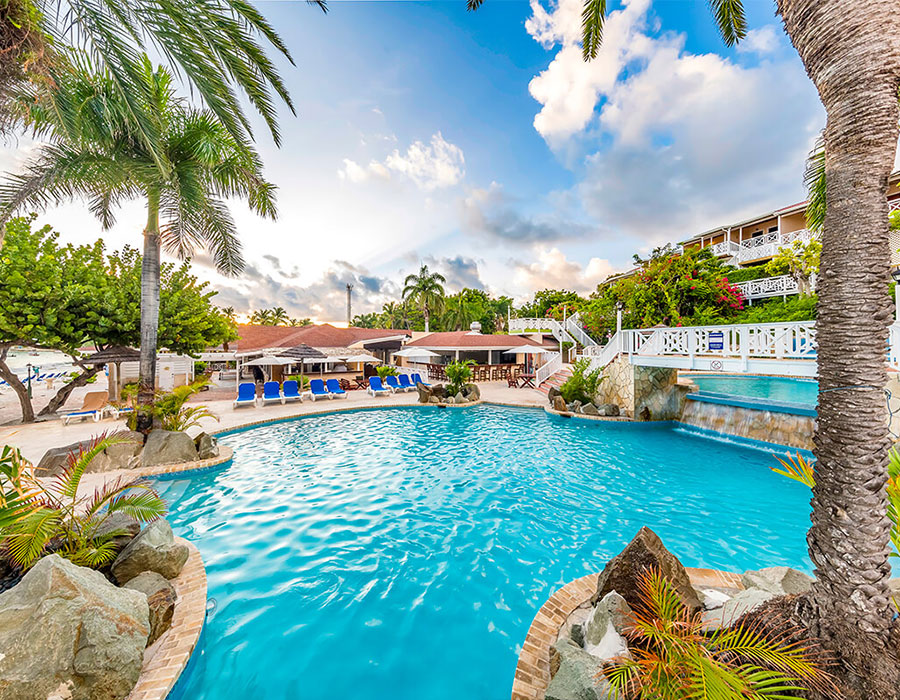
[512,382]
[290,391]
[334,388]
[417,379]
[405,384]
[317,390]
[93,406]
[346,385]
[393,384]
[272,392]
[246,395]
[376,387]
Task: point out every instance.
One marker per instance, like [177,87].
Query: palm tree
[425,290]
[229,313]
[392,313]
[96,153]
[459,312]
[279,316]
[851,52]
[214,44]
[262,317]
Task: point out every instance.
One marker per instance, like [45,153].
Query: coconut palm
[851,51]
[262,317]
[460,312]
[96,153]
[426,291]
[392,313]
[279,316]
[214,44]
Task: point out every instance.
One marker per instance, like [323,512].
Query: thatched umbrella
[115,356]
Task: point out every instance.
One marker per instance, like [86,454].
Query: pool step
[557,379]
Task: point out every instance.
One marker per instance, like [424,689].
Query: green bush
[583,384]
[458,375]
[301,379]
[796,308]
[200,367]
[386,371]
[745,274]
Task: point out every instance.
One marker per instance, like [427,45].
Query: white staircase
[568,332]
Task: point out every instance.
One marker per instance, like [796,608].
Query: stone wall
[768,426]
[635,388]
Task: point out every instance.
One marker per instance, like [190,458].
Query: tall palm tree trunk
[149,301]
[851,50]
[425,313]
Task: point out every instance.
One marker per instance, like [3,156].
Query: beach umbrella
[363,357]
[416,352]
[529,350]
[269,361]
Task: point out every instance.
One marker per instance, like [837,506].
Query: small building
[474,345]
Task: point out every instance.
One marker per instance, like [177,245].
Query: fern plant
[386,371]
[673,658]
[55,517]
[16,488]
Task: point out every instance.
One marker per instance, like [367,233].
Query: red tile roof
[467,339]
[325,335]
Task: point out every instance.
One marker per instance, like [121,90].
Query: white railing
[548,369]
[726,248]
[894,205]
[767,245]
[795,340]
[546,325]
[573,326]
[768,287]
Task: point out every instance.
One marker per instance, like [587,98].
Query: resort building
[482,349]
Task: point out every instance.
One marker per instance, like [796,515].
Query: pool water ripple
[402,553]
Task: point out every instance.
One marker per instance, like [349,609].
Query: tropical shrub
[745,274]
[200,367]
[458,375]
[16,491]
[583,384]
[53,517]
[386,371]
[673,658]
[170,410]
[301,379]
[799,307]
[799,260]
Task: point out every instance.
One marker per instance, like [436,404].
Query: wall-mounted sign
[716,340]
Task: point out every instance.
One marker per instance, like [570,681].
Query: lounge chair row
[402,382]
[95,405]
[319,389]
[38,378]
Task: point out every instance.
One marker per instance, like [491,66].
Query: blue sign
[716,340]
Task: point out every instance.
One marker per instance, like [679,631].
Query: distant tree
[299,322]
[799,260]
[365,321]
[548,299]
[426,291]
[279,316]
[392,315]
[230,313]
[261,317]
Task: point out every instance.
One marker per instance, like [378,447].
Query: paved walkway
[35,439]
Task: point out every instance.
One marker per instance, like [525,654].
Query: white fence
[769,244]
[548,369]
[769,287]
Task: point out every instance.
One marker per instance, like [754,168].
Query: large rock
[780,580]
[168,447]
[124,528]
[207,446]
[604,631]
[644,553]
[552,393]
[472,392]
[439,390]
[559,404]
[608,409]
[578,675]
[155,549]
[459,398]
[118,456]
[590,410]
[161,599]
[733,609]
[424,393]
[66,631]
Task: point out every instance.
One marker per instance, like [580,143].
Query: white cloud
[431,166]
[553,270]
[761,40]
[667,142]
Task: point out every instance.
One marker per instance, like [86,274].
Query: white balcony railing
[548,369]
[768,245]
[728,248]
[768,287]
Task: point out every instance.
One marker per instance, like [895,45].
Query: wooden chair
[511,382]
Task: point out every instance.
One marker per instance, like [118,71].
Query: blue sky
[482,145]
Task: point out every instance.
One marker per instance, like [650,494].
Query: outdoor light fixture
[895,274]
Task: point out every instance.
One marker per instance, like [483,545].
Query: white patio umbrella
[269,361]
[415,352]
[363,358]
[528,350]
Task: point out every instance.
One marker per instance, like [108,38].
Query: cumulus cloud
[551,269]
[492,213]
[460,272]
[671,142]
[761,40]
[431,166]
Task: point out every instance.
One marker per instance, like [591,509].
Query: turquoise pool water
[785,389]
[402,553]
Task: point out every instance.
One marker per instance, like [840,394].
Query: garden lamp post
[28,370]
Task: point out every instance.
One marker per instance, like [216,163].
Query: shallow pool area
[791,390]
[402,553]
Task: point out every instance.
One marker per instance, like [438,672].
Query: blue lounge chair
[392,383]
[376,387]
[246,395]
[334,388]
[417,379]
[290,391]
[272,392]
[317,390]
[405,384]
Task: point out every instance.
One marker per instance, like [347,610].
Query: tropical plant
[584,383]
[170,410]
[262,317]
[370,320]
[799,260]
[58,519]
[386,371]
[674,658]
[426,291]
[279,316]
[229,313]
[301,379]
[16,490]
[392,315]
[458,375]
[213,44]
[96,153]
[299,321]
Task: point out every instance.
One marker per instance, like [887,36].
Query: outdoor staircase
[557,380]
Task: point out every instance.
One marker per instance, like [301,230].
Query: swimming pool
[794,390]
[402,553]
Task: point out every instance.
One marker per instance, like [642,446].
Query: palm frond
[144,505]
[592,18]
[814,181]
[730,19]
[797,468]
[29,536]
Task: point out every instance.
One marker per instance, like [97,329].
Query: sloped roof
[467,339]
[252,337]
[116,353]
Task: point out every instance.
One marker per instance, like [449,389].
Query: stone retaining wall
[639,391]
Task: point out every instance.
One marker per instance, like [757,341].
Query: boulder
[118,456]
[645,552]
[573,627]
[714,598]
[155,549]
[559,404]
[160,598]
[574,406]
[552,393]
[207,446]
[56,459]
[434,399]
[439,390]
[780,580]
[128,529]
[472,392]
[605,629]
[459,398]
[424,393]
[590,410]
[168,447]
[734,608]
[607,409]
[66,631]
[577,676]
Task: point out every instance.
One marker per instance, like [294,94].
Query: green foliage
[386,371]
[672,658]
[550,303]
[170,410]
[426,291]
[200,367]
[584,383]
[366,321]
[16,491]
[55,515]
[301,379]
[776,310]
[799,260]
[276,316]
[737,275]
[458,375]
